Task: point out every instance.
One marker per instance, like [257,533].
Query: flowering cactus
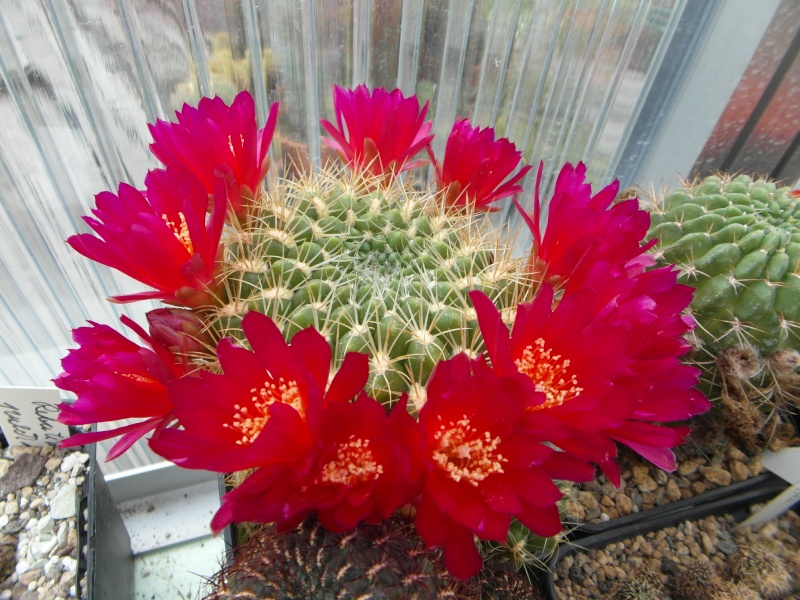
[347,346]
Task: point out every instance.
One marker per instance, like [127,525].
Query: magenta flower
[476,167]
[582,229]
[483,466]
[355,469]
[379,132]
[115,378]
[215,140]
[264,406]
[607,358]
[162,237]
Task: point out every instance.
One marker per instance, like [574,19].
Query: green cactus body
[737,241]
[382,271]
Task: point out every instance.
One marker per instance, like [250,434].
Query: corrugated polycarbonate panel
[81,79]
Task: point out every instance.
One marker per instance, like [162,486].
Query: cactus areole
[361,345]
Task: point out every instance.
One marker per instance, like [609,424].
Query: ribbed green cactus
[736,240]
[383,271]
[372,562]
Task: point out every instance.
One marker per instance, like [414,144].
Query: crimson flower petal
[379,131]
[477,169]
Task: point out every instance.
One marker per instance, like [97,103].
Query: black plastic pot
[105,558]
[763,481]
[729,500]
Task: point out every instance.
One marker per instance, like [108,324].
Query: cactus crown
[379,270]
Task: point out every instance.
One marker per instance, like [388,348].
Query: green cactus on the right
[736,240]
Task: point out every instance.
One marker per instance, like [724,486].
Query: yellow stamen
[464,454]
[181,233]
[250,420]
[549,373]
[354,464]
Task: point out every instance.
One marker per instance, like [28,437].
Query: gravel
[38,521]
[667,555]
[644,486]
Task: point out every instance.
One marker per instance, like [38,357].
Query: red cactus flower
[582,229]
[237,420]
[356,468]
[162,238]
[377,132]
[216,139]
[476,167]
[114,379]
[608,362]
[482,465]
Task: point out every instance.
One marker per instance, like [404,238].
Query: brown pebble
[29,576]
[708,545]
[588,500]
[624,505]
[673,492]
[739,471]
[648,485]
[640,474]
[606,501]
[698,487]
[716,475]
[735,454]
[687,467]
[53,463]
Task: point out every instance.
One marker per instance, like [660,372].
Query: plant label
[786,465]
[28,416]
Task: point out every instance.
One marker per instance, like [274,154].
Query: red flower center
[549,373]
[354,464]
[182,232]
[250,420]
[463,453]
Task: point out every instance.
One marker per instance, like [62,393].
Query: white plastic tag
[28,416]
[785,464]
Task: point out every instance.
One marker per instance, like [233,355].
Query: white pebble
[68,462]
[62,533]
[22,567]
[70,564]
[36,503]
[6,595]
[32,524]
[3,520]
[63,505]
[12,508]
[46,524]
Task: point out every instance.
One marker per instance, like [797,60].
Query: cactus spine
[383,271]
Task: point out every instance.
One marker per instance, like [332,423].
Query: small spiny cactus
[762,570]
[735,591]
[698,581]
[645,585]
[372,562]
